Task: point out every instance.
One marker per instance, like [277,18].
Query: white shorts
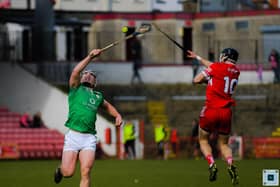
[75,141]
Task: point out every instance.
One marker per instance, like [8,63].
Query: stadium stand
[27,143]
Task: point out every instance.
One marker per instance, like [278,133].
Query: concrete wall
[106,5]
[104,33]
[121,73]
[22,4]
[227,35]
[114,73]
[169,6]
[83,5]
[132,6]
[162,49]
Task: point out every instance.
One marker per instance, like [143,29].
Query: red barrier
[9,151]
[267,147]
[108,136]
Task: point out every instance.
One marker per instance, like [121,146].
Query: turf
[140,173]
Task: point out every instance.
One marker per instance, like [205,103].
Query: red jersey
[222,80]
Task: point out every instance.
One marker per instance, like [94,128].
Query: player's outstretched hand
[94,53]
[118,121]
[191,54]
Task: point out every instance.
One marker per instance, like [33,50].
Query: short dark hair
[93,73]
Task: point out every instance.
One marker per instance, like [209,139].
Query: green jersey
[83,105]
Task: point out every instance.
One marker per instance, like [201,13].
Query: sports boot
[57,176]
[213,173]
[232,170]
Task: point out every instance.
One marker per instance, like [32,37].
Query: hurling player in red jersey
[215,117]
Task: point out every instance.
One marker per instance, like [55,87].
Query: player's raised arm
[75,75]
[203,61]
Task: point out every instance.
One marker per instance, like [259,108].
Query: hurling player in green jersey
[80,140]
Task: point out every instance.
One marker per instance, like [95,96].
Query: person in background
[259,71]
[211,55]
[37,121]
[129,140]
[273,59]
[213,142]
[167,151]
[215,117]
[194,139]
[160,135]
[195,67]
[80,140]
[25,121]
[174,140]
[136,54]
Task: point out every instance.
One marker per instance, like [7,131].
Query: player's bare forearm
[199,79]
[113,112]
[75,75]
[203,61]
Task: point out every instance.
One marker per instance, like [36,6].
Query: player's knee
[85,171]
[67,173]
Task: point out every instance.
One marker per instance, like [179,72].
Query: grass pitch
[139,173]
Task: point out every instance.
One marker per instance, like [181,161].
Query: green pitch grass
[140,173]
